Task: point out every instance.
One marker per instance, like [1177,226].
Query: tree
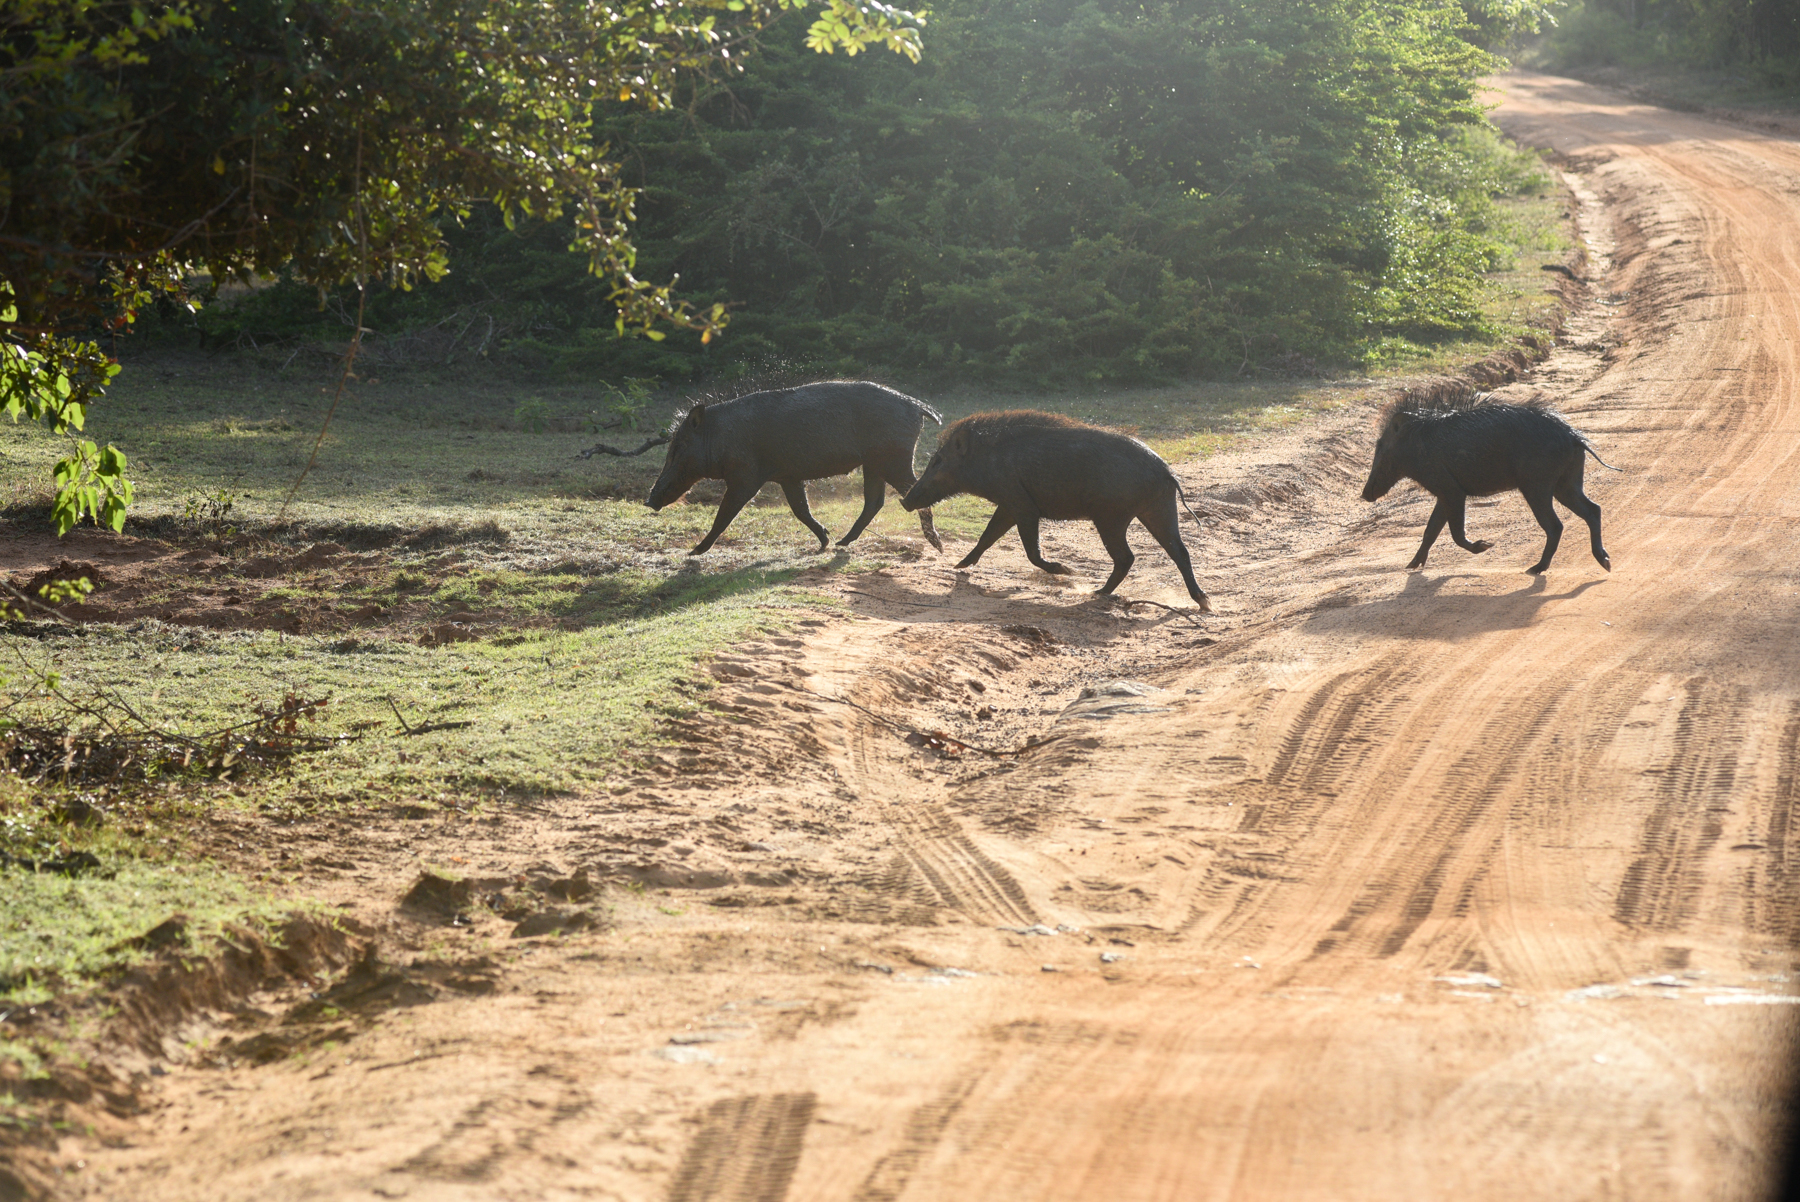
[1063,189]
[142,142]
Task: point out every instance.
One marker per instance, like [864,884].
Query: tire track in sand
[746,1150]
[1341,725]
[1344,726]
[938,865]
[924,1131]
[940,858]
[1779,911]
[1470,787]
[1663,883]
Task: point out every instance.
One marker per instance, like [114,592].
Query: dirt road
[1378,885]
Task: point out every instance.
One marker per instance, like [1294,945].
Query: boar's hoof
[1416,564]
[1057,569]
[931,536]
[1605,561]
[1537,569]
[1204,603]
[967,561]
[1480,545]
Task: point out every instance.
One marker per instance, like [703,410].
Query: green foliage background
[1756,41]
[1059,190]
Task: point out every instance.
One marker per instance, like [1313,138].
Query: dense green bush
[1095,189]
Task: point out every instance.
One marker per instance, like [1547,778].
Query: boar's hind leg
[736,497]
[1028,534]
[1576,502]
[929,528]
[1112,533]
[796,499]
[1164,525]
[1456,505]
[875,484]
[1434,526]
[897,470]
[999,524]
[1545,512]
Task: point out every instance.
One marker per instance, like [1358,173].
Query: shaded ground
[1454,883]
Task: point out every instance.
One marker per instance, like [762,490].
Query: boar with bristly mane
[1476,446]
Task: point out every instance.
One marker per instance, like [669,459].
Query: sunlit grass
[58,932]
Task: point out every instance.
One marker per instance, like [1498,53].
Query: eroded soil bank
[1455,883]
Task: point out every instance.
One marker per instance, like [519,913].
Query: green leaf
[63,511]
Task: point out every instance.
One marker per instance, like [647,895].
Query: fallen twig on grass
[601,448]
[428,727]
[40,751]
[70,865]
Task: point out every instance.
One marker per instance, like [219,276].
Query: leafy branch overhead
[141,142]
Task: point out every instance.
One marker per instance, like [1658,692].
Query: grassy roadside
[447,493]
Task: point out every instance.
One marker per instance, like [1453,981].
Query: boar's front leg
[999,524]
[1456,505]
[795,491]
[1440,513]
[737,496]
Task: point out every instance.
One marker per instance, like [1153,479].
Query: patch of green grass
[547,710]
[59,932]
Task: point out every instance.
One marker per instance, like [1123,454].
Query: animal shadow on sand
[883,597]
[1421,610]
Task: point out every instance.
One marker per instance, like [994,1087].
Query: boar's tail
[1182,493]
[1588,447]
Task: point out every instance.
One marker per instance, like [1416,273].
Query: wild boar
[790,436]
[1041,466]
[1478,447]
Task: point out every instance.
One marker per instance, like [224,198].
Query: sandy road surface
[1448,884]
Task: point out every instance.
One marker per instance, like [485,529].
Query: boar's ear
[697,412]
[958,442]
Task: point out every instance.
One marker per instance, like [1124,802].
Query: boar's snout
[667,492]
[932,487]
[1383,475]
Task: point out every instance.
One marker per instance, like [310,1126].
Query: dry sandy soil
[1376,884]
